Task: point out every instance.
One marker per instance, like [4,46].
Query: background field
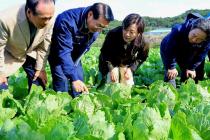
[150,110]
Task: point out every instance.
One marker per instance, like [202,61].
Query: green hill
[167,22]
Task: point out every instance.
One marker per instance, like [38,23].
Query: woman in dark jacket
[123,51]
[186,45]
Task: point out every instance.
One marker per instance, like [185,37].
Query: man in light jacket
[25,34]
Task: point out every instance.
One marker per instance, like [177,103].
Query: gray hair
[203,24]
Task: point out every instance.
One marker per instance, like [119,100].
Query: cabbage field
[150,110]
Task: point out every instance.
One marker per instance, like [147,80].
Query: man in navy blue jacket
[74,32]
[187,45]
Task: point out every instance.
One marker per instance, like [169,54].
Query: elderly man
[74,32]
[25,34]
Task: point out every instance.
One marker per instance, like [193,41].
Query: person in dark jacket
[123,51]
[209,51]
[186,45]
[73,33]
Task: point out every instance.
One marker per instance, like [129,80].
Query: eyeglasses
[101,26]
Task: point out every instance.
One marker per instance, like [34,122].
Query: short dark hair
[32,4]
[203,24]
[101,9]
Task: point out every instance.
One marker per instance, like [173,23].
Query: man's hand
[42,75]
[3,80]
[191,73]
[172,73]
[79,86]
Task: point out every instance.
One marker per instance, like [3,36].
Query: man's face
[44,12]
[96,25]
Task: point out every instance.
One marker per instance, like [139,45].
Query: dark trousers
[29,68]
[199,74]
[199,70]
[61,82]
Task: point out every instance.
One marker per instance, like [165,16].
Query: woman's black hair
[139,42]
[134,19]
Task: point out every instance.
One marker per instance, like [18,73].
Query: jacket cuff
[39,66]
[110,66]
[2,73]
[2,70]
[74,77]
[171,67]
[133,67]
[191,68]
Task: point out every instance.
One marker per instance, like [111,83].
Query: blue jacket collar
[83,20]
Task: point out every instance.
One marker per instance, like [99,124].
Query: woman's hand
[128,73]
[172,73]
[191,73]
[114,73]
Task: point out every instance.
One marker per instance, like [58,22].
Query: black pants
[209,55]
[29,68]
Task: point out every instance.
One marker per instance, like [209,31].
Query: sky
[121,8]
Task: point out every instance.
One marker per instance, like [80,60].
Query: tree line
[167,22]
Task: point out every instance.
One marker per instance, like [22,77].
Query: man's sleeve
[3,41]
[62,45]
[43,51]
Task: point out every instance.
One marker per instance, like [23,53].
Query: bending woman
[186,45]
[123,51]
